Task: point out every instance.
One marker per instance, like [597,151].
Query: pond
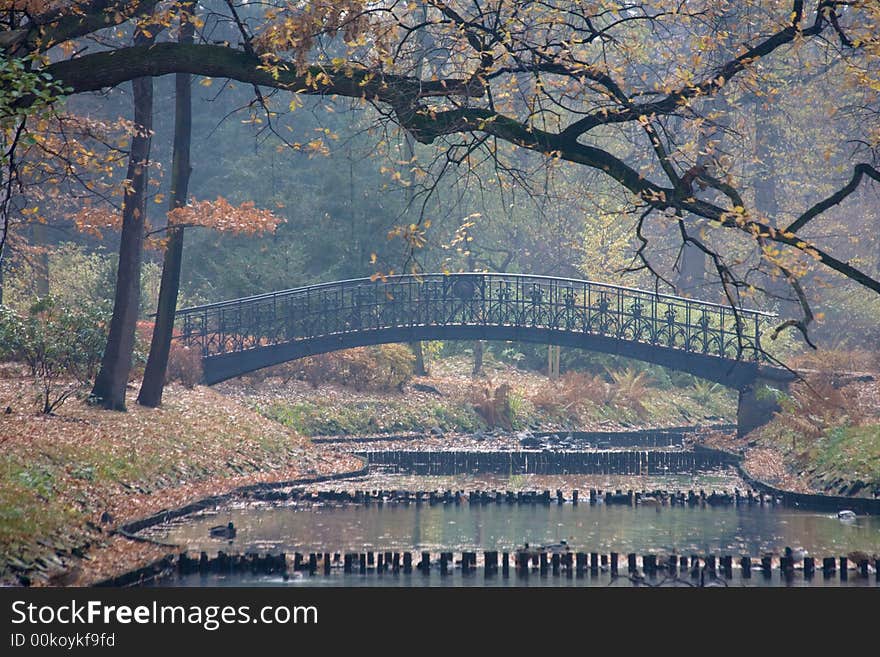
[339,528]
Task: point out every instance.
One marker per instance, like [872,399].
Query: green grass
[318,418]
[850,452]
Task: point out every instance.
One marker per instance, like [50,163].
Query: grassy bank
[825,440]
[451,399]
[60,474]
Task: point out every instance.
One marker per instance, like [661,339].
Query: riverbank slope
[67,480]
[825,440]
[504,397]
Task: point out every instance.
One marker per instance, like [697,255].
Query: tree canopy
[741,129]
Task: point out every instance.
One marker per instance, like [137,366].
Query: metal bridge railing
[476,299]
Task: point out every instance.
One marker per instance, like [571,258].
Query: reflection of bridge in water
[708,340]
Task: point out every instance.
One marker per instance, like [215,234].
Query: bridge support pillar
[756,406]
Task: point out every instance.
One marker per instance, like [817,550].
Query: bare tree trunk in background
[764,180]
[112,379]
[160,345]
[692,271]
[419,368]
[478,358]
[41,259]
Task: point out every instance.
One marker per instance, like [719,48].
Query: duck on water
[223,531]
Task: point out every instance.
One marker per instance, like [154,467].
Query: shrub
[61,345]
[704,391]
[816,405]
[382,368]
[184,365]
[631,386]
[494,406]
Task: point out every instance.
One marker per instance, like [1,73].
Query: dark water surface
[309,527]
[305,527]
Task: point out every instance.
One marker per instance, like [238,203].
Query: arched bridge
[708,340]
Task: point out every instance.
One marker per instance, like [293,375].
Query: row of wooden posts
[639,461]
[595,496]
[521,563]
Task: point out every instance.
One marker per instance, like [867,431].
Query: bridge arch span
[708,340]
[733,374]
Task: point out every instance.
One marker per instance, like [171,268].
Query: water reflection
[713,530]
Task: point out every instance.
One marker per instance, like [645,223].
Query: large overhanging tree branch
[460,98]
[96,71]
[40,32]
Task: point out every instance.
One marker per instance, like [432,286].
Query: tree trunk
[478,358]
[160,345]
[692,271]
[112,379]
[41,259]
[419,368]
[766,200]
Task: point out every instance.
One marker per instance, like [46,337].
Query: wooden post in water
[843,569]
[580,562]
[614,564]
[555,563]
[522,563]
[727,566]
[407,562]
[490,562]
[828,566]
[809,567]
[395,563]
[631,562]
[326,563]
[444,564]
[745,564]
[766,564]
[594,563]
[786,566]
[505,564]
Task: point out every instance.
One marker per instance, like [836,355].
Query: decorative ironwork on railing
[476,299]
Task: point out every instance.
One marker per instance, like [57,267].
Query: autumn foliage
[494,406]
[381,368]
[184,365]
[221,215]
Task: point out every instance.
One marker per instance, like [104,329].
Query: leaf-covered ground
[59,474]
